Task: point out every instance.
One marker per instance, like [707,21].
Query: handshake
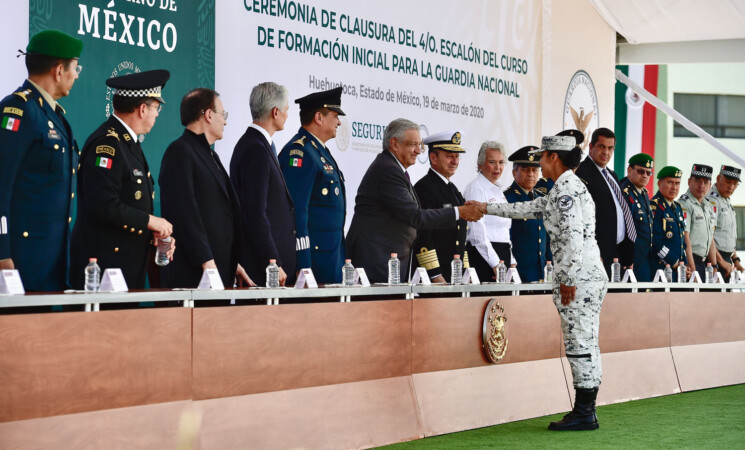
[472,211]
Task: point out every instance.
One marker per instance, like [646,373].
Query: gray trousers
[580,324]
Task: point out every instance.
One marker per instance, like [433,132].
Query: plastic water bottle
[161,254]
[615,271]
[501,272]
[709,273]
[347,273]
[456,270]
[548,273]
[668,273]
[92,276]
[394,269]
[681,272]
[272,274]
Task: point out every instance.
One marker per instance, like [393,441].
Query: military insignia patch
[10,123]
[565,202]
[53,135]
[137,172]
[138,195]
[105,149]
[296,162]
[103,162]
[325,191]
[127,137]
[111,133]
[22,95]
[336,190]
[51,124]
[669,234]
[296,152]
[323,160]
[494,332]
[300,141]
[12,110]
[313,144]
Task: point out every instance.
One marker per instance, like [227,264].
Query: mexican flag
[296,162]
[11,123]
[639,127]
[104,162]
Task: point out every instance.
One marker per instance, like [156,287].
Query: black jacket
[387,215]
[268,211]
[199,201]
[434,249]
[605,216]
[115,201]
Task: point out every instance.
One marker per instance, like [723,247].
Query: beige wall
[575,37]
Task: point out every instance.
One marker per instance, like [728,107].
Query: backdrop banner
[440,64]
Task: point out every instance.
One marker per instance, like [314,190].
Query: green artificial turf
[712,418]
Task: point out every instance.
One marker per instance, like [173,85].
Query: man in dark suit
[115,220]
[387,211]
[435,248]
[38,160]
[614,225]
[198,198]
[528,236]
[268,211]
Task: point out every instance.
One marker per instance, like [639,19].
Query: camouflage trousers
[580,323]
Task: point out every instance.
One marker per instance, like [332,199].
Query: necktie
[407,176]
[531,194]
[627,218]
[274,152]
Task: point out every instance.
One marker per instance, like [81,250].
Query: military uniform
[725,233]
[640,207]
[700,221]
[115,204]
[38,160]
[435,248]
[569,215]
[668,243]
[528,238]
[544,185]
[317,188]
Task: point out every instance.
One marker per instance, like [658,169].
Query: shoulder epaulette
[542,190]
[583,180]
[626,189]
[111,132]
[684,197]
[23,94]
[300,141]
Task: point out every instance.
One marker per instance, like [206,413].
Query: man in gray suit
[387,212]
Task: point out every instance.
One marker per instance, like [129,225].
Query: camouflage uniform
[568,213]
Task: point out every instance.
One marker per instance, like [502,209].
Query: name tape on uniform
[211,280]
[306,279]
[10,282]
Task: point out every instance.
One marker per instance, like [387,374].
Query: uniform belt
[699,258]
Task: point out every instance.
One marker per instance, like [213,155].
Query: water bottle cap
[272,261]
[615,259]
[708,264]
[456,256]
[548,262]
[168,239]
[501,261]
[394,255]
[347,261]
[667,265]
[93,260]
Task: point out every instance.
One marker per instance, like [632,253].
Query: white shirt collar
[442,177]
[131,131]
[486,180]
[397,161]
[262,131]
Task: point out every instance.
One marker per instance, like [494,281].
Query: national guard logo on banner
[494,332]
[581,106]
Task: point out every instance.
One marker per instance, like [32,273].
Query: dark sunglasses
[647,172]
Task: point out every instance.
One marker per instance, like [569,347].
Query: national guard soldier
[316,186]
[115,209]
[435,249]
[528,236]
[700,219]
[725,233]
[580,284]
[641,168]
[38,159]
[668,241]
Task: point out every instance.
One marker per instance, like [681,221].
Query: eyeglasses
[158,106]
[647,172]
[78,69]
[224,113]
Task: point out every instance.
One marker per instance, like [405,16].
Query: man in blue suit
[317,186]
[38,160]
[528,236]
[268,211]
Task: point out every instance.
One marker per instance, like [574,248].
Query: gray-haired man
[266,205]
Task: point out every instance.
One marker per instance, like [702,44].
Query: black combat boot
[582,417]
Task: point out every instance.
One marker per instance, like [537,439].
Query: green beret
[642,159]
[56,44]
[669,172]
